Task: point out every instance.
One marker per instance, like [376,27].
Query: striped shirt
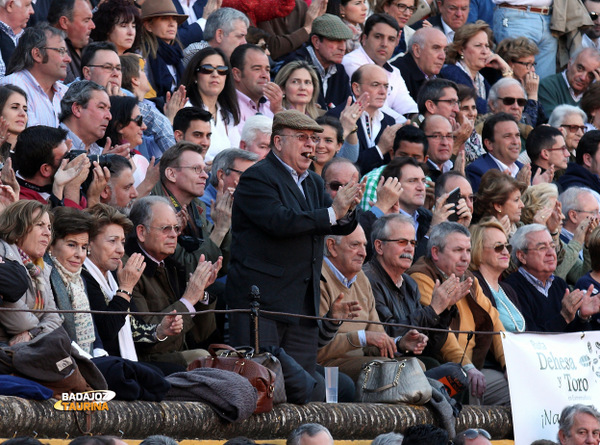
[40,109]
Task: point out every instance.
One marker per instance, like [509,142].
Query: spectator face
[439,135]
[466,191]
[507,101]
[455,257]
[107,248]
[494,239]
[454,12]
[410,149]
[329,52]
[80,28]
[354,12]
[572,129]
[339,175]
[71,251]
[189,176]
[123,35]
[164,27]
[299,88]
[293,145]
[511,207]
[133,132]
[476,51]
[468,109]
[211,84]
[328,147]
[446,105]
[94,117]
[521,67]
[55,66]
[396,256]
[106,69]
[413,183]
[349,255]
[231,177]
[260,145]
[37,240]
[198,133]
[540,257]
[585,431]
[594,9]
[587,206]
[581,72]
[251,80]
[380,43]
[19,15]
[375,82]
[506,145]
[121,191]
[559,154]
[430,59]
[15,113]
[401,10]
[235,38]
[159,239]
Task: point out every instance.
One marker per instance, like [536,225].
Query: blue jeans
[511,23]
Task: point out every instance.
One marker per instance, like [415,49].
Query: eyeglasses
[303,137]
[451,102]
[139,120]
[222,70]
[591,212]
[166,230]
[402,242]
[334,185]
[594,16]
[473,433]
[563,148]
[402,8]
[499,248]
[263,46]
[543,248]
[511,100]
[235,170]
[62,51]
[439,137]
[108,67]
[574,128]
[527,65]
[197,168]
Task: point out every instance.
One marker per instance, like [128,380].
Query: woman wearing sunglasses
[490,257]
[209,85]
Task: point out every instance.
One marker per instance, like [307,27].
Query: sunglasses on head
[222,70]
[511,100]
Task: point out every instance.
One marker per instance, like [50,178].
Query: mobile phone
[453,198]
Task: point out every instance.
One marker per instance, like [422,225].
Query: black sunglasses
[511,100]
[139,121]
[594,16]
[335,186]
[499,248]
[222,70]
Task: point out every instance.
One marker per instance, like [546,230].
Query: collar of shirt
[587,42]
[414,216]
[160,263]
[297,179]
[188,9]
[446,166]
[513,169]
[566,234]
[93,148]
[346,282]
[320,69]
[10,33]
[576,97]
[542,287]
[448,31]
[246,102]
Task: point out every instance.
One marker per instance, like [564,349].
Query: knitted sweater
[553,92]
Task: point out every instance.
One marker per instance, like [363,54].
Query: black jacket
[413,77]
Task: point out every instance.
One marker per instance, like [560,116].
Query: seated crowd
[351,162]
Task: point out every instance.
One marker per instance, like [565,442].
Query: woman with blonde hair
[470,53]
[300,85]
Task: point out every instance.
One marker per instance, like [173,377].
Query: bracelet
[578,313]
[121,291]
[354,130]
[156,335]
[508,73]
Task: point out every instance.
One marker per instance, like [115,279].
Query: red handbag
[261,378]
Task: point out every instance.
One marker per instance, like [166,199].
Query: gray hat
[331,27]
[295,120]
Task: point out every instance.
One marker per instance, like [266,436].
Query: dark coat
[456,74]
[278,239]
[187,33]
[435,20]
[578,176]
[476,169]
[413,77]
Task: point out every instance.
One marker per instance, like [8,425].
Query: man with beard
[590,38]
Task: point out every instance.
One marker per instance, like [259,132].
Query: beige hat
[161,8]
[331,27]
[295,120]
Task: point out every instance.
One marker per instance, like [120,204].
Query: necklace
[508,310]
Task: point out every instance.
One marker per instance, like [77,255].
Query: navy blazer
[278,237]
[187,33]
[413,77]
[435,20]
[477,168]
[368,156]
[456,74]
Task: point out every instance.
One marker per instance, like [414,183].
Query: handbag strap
[212,349]
[369,368]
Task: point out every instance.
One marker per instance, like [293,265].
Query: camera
[102,160]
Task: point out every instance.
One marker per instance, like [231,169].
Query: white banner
[547,372]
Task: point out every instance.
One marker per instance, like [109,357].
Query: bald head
[428,47]
[371,79]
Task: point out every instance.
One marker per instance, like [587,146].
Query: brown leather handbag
[261,378]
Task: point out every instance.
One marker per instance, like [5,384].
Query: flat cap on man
[295,120]
[331,27]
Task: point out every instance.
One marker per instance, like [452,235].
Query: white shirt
[398,98]
[586,42]
[448,31]
[513,169]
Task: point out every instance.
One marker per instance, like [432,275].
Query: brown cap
[331,27]
[295,120]
[161,8]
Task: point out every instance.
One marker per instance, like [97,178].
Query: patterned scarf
[35,272]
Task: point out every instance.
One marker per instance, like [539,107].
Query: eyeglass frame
[300,136]
[401,242]
[499,248]
[167,229]
[63,51]
[570,127]
[108,67]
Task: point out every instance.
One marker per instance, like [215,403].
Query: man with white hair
[546,302]
[579,424]
[256,135]
[570,120]
[226,28]
[14,15]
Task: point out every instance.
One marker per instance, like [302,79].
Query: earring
[283,96]
[462,57]
[343,15]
